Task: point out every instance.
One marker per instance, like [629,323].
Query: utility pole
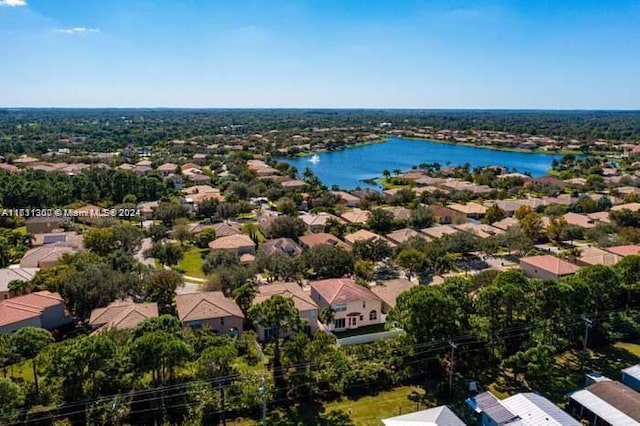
[453,348]
[587,325]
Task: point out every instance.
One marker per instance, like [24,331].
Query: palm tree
[396,171]
[386,173]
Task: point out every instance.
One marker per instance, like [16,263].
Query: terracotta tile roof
[342,290]
[232,242]
[479,230]
[28,306]
[389,290]
[579,220]
[321,238]
[403,235]
[596,256]
[505,223]
[356,216]
[47,253]
[301,299]
[206,305]
[361,235]
[469,208]
[439,231]
[629,206]
[280,245]
[628,250]
[551,264]
[122,314]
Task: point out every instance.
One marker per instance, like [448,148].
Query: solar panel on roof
[51,239]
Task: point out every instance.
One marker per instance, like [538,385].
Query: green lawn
[191,262]
[366,411]
[370,410]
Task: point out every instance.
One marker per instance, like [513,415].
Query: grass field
[191,262]
[365,411]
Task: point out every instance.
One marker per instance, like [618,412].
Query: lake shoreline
[351,168]
[444,142]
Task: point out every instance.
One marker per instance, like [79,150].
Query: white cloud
[13,3]
[77,30]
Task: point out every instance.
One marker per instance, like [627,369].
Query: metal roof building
[437,416]
[606,403]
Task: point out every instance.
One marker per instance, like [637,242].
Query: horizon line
[312,108]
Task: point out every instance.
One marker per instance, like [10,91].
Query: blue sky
[321,53]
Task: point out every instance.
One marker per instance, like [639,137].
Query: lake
[348,168]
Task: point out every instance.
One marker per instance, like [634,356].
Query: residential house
[227,229]
[122,315]
[439,231]
[317,222]
[599,217]
[445,216]
[199,158]
[362,235]
[167,168]
[389,290]
[238,244]
[400,213]
[356,216]
[197,178]
[634,207]
[471,209]
[209,308]
[508,206]
[313,240]
[14,273]
[353,305]
[293,185]
[307,308]
[403,235]
[626,250]
[68,239]
[280,246]
[580,220]
[606,403]
[148,209]
[43,224]
[479,230]
[45,256]
[436,416]
[41,309]
[90,214]
[505,223]
[523,409]
[594,256]
[348,199]
[547,267]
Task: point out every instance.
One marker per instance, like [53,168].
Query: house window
[222,321]
[353,321]
[312,314]
[340,308]
[339,323]
[373,315]
[364,304]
